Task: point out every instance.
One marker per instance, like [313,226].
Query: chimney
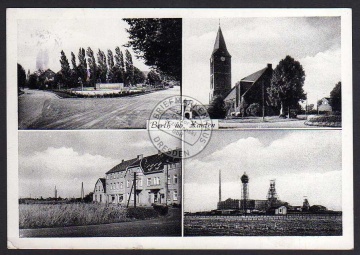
[139,157]
[269,66]
[159,152]
[122,161]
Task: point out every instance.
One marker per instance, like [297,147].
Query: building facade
[144,181]
[220,68]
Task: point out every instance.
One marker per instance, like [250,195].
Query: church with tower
[248,96]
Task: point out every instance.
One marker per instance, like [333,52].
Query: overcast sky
[44,39]
[304,163]
[66,159]
[254,42]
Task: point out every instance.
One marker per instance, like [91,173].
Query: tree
[158,42]
[65,68]
[310,107]
[139,76]
[82,65]
[111,66]
[119,66]
[21,77]
[102,66]
[335,96]
[153,78]
[286,88]
[74,70]
[216,108]
[129,74]
[92,66]
[88,198]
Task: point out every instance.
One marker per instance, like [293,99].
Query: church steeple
[220,68]
[220,44]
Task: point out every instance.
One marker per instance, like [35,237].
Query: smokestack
[219,185]
[55,192]
[82,190]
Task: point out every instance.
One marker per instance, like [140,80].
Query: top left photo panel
[95,69]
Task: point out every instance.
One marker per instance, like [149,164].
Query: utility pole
[167,184]
[134,189]
[263,103]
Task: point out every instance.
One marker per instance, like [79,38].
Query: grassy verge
[76,214]
[325,121]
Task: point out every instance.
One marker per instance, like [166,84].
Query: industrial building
[272,205]
[142,181]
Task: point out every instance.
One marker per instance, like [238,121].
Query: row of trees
[105,68]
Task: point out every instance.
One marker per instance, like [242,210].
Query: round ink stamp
[180,126]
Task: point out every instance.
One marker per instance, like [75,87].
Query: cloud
[63,167]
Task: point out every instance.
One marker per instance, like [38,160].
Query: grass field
[76,214]
[310,225]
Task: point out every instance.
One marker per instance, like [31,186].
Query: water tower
[245,190]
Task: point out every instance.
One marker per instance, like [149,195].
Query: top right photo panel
[265,72]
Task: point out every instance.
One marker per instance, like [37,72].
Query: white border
[334,242]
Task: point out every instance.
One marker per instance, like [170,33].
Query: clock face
[222,58]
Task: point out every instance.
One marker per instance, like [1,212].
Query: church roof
[254,76]
[220,44]
[246,83]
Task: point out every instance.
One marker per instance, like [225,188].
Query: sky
[66,159]
[303,163]
[253,42]
[42,40]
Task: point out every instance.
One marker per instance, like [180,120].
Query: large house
[157,181]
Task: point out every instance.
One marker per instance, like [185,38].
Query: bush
[253,109]
[141,213]
[161,209]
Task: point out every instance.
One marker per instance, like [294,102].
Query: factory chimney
[82,191]
[55,192]
[219,185]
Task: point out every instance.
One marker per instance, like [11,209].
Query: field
[294,225]
[77,214]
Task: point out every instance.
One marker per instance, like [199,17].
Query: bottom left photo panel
[98,183]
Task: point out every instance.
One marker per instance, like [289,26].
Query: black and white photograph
[268,183]
[265,72]
[85,185]
[85,72]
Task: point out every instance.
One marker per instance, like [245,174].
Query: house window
[175,179]
[169,179]
[140,183]
[158,180]
[95,197]
[148,181]
[175,195]
[127,184]
[100,198]
[121,185]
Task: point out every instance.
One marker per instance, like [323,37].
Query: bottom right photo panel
[265,183]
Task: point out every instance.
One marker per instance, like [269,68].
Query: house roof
[156,162]
[152,163]
[122,166]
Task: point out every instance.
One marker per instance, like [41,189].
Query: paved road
[163,226]
[44,110]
